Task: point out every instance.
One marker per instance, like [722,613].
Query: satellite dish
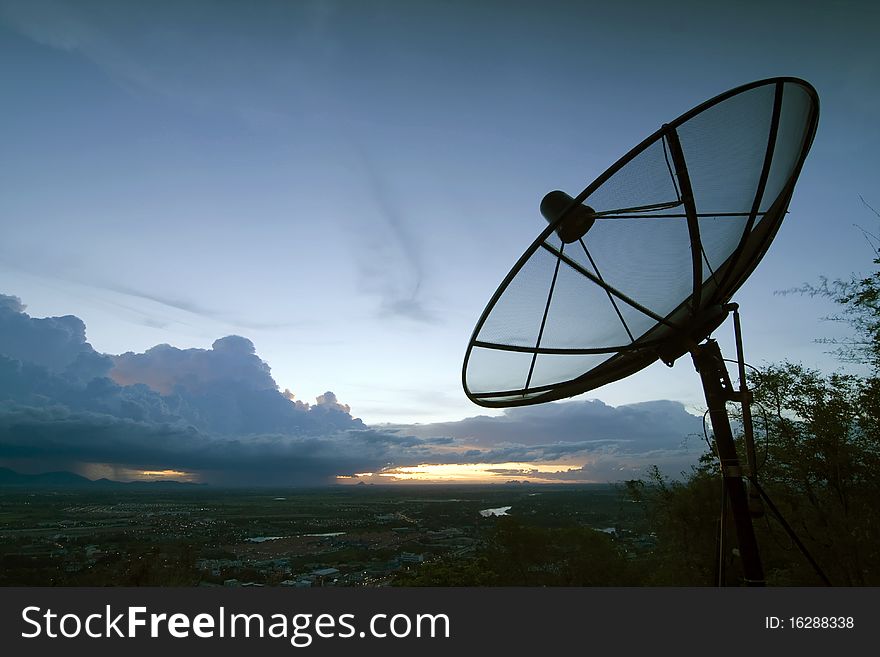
[637,267]
[642,264]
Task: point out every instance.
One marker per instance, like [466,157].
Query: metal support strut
[718,390]
[745,399]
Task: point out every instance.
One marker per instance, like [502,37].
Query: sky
[344,184]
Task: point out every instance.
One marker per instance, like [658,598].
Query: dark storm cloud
[616,442]
[613,465]
[527,453]
[65,438]
[634,427]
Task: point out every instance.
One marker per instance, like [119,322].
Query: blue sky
[346,183]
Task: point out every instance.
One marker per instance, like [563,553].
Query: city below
[364,535]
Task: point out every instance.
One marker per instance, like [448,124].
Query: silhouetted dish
[637,266]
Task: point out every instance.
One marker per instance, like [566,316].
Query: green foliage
[820,466]
[684,518]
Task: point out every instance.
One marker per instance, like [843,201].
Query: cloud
[613,465]
[165,368]
[219,412]
[614,443]
[47,23]
[11,303]
[635,427]
[191,307]
[228,389]
[224,390]
[329,402]
[56,343]
[150,49]
[65,439]
[388,255]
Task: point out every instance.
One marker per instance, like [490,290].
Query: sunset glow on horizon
[160,475]
[113,472]
[466,473]
[163,473]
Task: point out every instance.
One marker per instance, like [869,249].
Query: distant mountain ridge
[12,479]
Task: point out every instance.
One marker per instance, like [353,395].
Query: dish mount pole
[719,390]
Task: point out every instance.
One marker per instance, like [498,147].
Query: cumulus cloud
[56,343]
[12,303]
[328,401]
[61,400]
[289,396]
[228,389]
[165,368]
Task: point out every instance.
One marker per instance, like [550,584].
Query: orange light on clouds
[160,475]
[122,473]
[164,473]
[462,473]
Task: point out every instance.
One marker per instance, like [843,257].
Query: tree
[684,518]
[858,298]
[818,439]
[521,554]
[820,465]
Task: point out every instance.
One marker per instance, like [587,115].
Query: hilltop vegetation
[818,442]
